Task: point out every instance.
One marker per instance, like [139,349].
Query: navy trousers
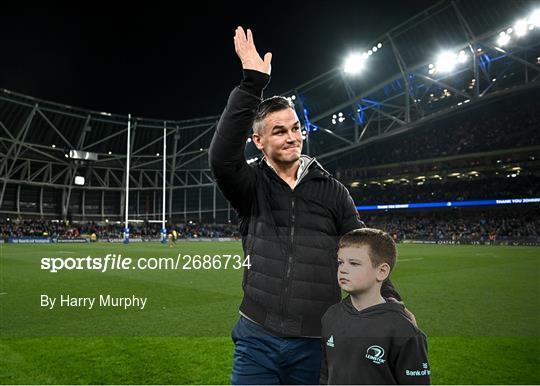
[262,358]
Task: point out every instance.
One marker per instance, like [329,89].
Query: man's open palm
[246,51]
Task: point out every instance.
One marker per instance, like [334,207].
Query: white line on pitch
[416,258]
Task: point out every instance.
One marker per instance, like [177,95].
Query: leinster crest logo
[375,354]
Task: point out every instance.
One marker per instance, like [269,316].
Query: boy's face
[356,273]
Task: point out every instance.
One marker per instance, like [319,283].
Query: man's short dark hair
[267,106]
[382,249]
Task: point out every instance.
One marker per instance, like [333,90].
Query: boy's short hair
[381,246]
[267,106]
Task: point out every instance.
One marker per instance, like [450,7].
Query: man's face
[281,140]
[356,273]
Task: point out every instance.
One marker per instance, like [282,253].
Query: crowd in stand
[502,223]
[45,228]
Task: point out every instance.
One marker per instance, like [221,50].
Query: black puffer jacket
[290,235]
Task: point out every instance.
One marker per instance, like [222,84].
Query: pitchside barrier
[528,243]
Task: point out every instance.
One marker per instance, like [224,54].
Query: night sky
[164,62]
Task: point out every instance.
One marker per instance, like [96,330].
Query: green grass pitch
[479,306]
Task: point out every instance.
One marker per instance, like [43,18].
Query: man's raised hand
[246,51]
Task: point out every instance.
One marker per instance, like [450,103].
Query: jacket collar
[309,168]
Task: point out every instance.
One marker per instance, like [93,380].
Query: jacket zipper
[290,248]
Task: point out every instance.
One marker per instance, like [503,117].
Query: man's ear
[257,141]
[383,271]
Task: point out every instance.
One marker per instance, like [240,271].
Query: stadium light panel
[521,27]
[503,39]
[446,61]
[79,180]
[534,18]
[354,64]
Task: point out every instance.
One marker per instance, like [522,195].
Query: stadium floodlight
[293,97]
[157,154]
[503,39]
[53,145]
[520,27]
[534,18]
[354,64]
[79,180]
[462,57]
[379,45]
[446,61]
[110,152]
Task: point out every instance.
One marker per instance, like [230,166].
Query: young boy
[366,339]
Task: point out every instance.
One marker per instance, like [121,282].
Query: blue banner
[421,205]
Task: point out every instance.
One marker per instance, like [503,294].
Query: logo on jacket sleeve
[419,373]
[375,354]
[330,341]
